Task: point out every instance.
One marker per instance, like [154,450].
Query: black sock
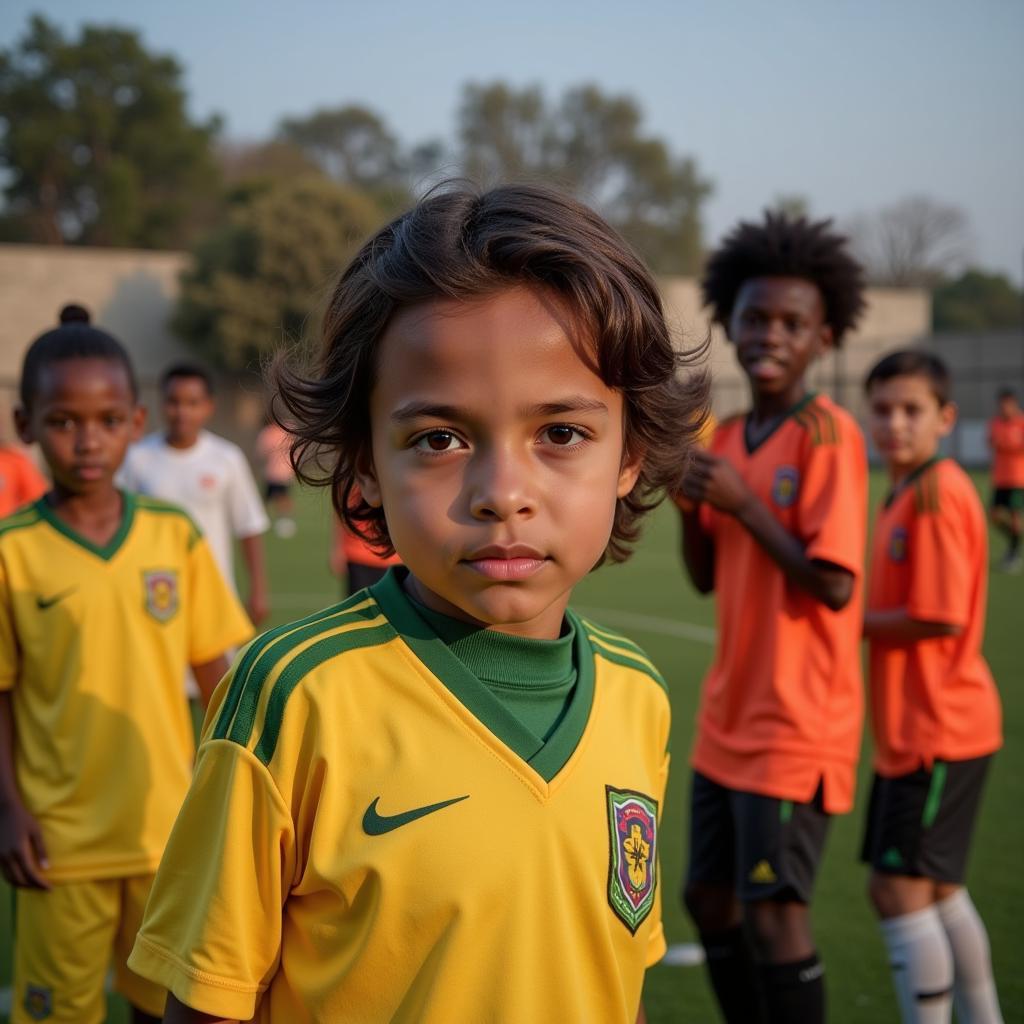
[1014,545]
[733,974]
[795,992]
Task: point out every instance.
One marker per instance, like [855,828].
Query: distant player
[354,558]
[206,474]
[1006,439]
[934,708]
[105,596]
[273,444]
[439,801]
[778,533]
[20,480]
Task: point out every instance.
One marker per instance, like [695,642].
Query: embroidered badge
[898,544]
[633,855]
[38,1002]
[161,586]
[785,486]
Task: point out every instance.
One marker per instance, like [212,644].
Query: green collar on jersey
[908,480]
[108,550]
[545,757]
[791,411]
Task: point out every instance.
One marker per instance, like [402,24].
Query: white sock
[974,990]
[922,966]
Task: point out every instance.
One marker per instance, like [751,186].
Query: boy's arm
[22,853]
[258,604]
[208,675]
[179,1013]
[698,549]
[895,625]
[714,480]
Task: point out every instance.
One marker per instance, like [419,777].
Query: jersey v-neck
[545,757]
[787,415]
[908,480]
[105,551]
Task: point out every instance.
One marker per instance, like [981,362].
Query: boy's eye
[438,441]
[563,435]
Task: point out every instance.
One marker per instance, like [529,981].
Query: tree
[916,242]
[96,141]
[593,144]
[255,280]
[977,301]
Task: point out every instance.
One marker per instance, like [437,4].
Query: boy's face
[188,407]
[778,327]
[1008,407]
[83,417]
[498,457]
[907,421]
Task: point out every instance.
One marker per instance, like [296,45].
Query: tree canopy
[96,141]
[977,301]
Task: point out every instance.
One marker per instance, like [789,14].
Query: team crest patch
[161,586]
[898,544]
[38,1002]
[633,855]
[785,485]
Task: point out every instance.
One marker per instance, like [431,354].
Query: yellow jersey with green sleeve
[371,835]
[93,644]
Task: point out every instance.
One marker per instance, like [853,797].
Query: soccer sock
[795,991]
[922,966]
[974,990]
[1013,543]
[730,963]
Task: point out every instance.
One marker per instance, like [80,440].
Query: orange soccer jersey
[782,704]
[1006,439]
[933,698]
[20,481]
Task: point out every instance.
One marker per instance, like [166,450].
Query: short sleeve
[217,621]
[248,516]
[940,553]
[212,928]
[832,499]
[9,651]
[656,945]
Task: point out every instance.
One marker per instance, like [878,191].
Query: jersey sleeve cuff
[207,993]
[656,946]
[843,559]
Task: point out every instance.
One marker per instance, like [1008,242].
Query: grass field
[649,600]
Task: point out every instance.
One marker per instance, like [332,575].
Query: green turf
[652,584]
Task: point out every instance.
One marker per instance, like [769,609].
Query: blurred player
[20,481]
[206,474]
[105,596]
[934,708]
[1006,439]
[778,534]
[450,785]
[354,558]
[273,444]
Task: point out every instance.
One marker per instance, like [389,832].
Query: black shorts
[921,824]
[276,490]
[768,849]
[1008,497]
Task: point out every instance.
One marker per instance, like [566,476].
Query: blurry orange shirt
[20,481]
[1006,439]
[273,443]
[355,548]
[933,698]
[782,705]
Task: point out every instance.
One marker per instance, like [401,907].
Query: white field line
[611,616]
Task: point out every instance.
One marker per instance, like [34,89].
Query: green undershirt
[533,679]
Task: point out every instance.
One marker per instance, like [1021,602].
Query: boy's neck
[772,406]
[95,514]
[899,475]
[181,444]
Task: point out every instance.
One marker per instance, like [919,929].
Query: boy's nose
[500,487]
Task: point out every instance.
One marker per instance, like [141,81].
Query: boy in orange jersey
[20,481]
[1006,439]
[934,706]
[774,517]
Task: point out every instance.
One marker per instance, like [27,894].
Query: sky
[851,105]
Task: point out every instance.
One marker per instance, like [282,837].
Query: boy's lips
[766,368]
[89,472]
[516,562]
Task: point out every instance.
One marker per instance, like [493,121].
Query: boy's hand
[22,852]
[258,605]
[714,480]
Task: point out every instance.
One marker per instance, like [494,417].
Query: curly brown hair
[461,243]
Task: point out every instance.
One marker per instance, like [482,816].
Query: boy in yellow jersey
[439,800]
[104,598]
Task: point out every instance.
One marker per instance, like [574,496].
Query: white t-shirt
[211,480]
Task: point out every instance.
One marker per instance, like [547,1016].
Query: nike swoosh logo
[375,824]
[42,603]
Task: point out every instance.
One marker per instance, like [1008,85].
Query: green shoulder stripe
[19,520]
[926,493]
[144,503]
[819,423]
[625,658]
[616,639]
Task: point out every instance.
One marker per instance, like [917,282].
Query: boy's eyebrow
[430,410]
[571,403]
[425,410]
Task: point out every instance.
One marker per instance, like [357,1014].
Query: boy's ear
[826,339]
[629,472]
[23,425]
[366,478]
[947,418]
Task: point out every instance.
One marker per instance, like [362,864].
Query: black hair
[783,246]
[187,371]
[72,313]
[913,362]
[1006,393]
[71,341]
[461,243]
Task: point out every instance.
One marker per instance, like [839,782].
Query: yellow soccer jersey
[93,644]
[371,837]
